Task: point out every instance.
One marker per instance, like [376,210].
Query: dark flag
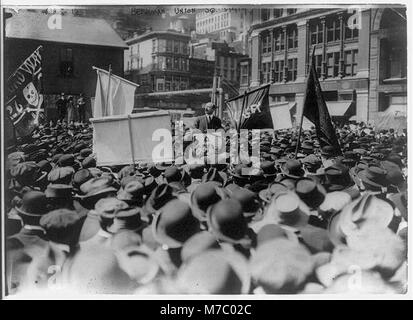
[315,110]
[24,104]
[251,110]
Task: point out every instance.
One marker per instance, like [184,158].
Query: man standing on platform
[208,121]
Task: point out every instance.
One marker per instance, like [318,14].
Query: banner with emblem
[24,101]
[251,110]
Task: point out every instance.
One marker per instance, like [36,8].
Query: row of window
[278,69]
[291,71]
[265,13]
[278,40]
[333,64]
[172,46]
[169,63]
[171,83]
[333,30]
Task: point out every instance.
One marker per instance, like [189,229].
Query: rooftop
[78,30]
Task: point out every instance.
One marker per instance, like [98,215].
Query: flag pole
[302,111]
[132,149]
[107,92]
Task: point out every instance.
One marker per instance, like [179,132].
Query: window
[351,34]
[161,63]
[176,64]
[278,71]
[153,45]
[350,62]
[292,38]
[291,11]
[182,84]
[175,84]
[176,46]
[318,64]
[159,84]
[66,62]
[266,72]
[333,64]
[244,74]
[396,64]
[168,63]
[265,14]
[316,31]
[292,69]
[279,40]
[168,81]
[168,45]
[277,13]
[266,43]
[333,30]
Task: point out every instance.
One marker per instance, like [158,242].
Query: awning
[394,117]
[341,108]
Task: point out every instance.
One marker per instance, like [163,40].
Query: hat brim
[362,175]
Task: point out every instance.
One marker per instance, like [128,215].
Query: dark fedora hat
[293,169]
[59,191]
[337,178]
[249,202]
[132,193]
[328,151]
[88,162]
[149,184]
[205,195]
[174,224]
[172,174]
[268,169]
[97,187]
[33,204]
[311,192]
[217,176]
[61,175]
[159,197]
[80,177]
[374,178]
[226,220]
[84,153]
[66,160]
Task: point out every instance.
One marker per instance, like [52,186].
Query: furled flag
[315,110]
[251,110]
[24,103]
[119,100]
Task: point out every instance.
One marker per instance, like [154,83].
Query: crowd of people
[315,222]
[71,110]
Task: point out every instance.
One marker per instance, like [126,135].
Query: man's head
[210,108]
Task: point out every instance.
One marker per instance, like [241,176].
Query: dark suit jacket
[201,123]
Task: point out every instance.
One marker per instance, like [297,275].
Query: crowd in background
[315,223]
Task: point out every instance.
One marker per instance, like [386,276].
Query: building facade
[360,56]
[158,61]
[68,54]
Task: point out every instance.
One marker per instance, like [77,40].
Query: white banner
[281,116]
[112,143]
[120,99]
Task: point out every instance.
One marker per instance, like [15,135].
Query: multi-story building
[229,24]
[68,54]
[158,61]
[360,56]
[226,59]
